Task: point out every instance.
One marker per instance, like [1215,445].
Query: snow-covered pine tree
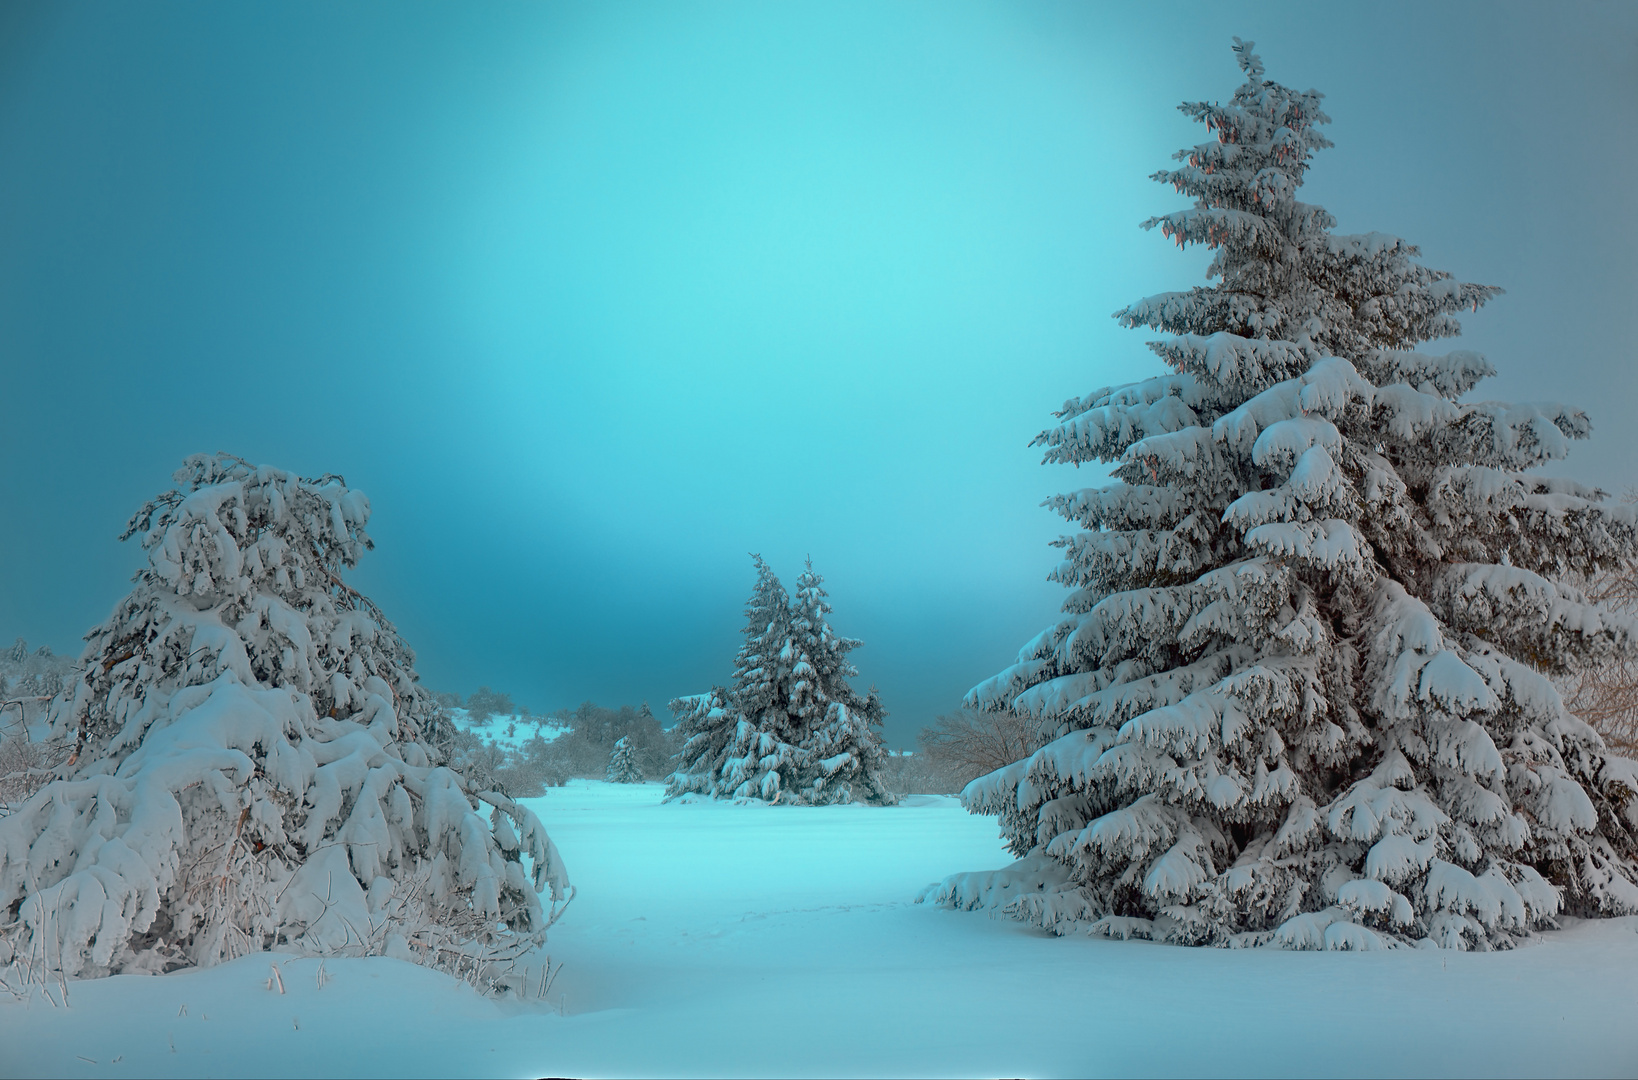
[842,755]
[254,763]
[704,730]
[1300,693]
[623,764]
[790,729]
[764,757]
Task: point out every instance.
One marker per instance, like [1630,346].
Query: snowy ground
[507,732]
[753,941]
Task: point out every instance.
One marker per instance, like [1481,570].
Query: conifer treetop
[821,668]
[764,658]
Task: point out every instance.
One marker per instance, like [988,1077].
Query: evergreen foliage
[623,764]
[1300,693]
[254,764]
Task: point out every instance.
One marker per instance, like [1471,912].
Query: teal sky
[592,300]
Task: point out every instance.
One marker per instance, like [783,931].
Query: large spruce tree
[1300,692]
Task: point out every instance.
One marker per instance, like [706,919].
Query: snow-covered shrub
[497,761]
[623,764]
[790,728]
[537,764]
[519,773]
[254,764]
[28,681]
[1300,693]
[652,746]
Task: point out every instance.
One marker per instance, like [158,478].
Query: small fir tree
[623,764]
[1300,693]
[254,764]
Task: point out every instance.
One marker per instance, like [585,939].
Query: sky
[594,300]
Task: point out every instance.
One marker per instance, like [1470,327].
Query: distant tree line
[581,745]
[955,749]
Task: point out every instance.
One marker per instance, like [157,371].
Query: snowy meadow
[1322,766]
[710,939]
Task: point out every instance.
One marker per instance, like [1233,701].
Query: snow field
[713,939]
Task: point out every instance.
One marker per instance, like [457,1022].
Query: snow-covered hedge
[254,764]
[1300,693]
